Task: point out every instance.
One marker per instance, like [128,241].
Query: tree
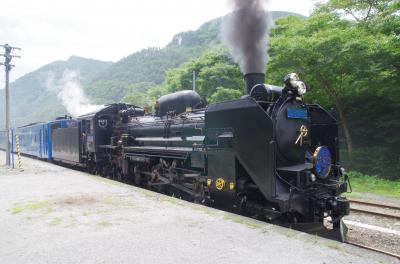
[138,99]
[144,94]
[224,94]
[331,54]
[214,69]
[362,10]
[316,49]
[352,66]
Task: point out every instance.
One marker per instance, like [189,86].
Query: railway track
[390,213]
[376,209]
[375,249]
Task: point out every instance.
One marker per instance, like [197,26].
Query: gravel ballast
[50,214]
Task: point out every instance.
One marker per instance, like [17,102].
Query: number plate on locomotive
[297,113]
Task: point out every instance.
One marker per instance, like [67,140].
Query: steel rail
[376,205]
[374,249]
[375,213]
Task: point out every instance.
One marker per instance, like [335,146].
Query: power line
[8,66]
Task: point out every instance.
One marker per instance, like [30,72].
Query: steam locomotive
[268,155]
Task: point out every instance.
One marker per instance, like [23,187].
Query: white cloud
[49,30]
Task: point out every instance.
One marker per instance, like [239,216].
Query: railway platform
[51,214]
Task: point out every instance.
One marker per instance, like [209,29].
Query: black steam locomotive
[267,155]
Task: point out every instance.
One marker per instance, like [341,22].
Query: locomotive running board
[296,168]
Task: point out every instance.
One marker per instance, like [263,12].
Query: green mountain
[148,67]
[34,96]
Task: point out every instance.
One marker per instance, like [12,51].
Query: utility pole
[194,80]
[8,66]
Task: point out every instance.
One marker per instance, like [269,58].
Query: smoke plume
[70,93]
[246,31]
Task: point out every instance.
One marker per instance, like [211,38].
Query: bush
[372,184]
[377,161]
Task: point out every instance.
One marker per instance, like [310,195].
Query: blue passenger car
[32,140]
[36,139]
[57,124]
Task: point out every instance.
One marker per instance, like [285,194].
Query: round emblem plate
[220,184]
[322,162]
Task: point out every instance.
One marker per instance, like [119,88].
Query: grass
[362,183]
[288,232]
[251,223]
[104,223]
[334,245]
[55,221]
[30,206]
[313,239]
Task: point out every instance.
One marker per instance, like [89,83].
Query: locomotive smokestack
[251,79]
[246,31]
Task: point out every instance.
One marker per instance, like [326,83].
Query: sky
[49,30]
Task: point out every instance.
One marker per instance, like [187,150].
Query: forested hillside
[34,99]
[348,52]
[352,67]
[147,68]
[34,96]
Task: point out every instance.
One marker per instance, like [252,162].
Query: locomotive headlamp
[293,80]
[322,162]
[301,88]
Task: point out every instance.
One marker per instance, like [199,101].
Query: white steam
[70,93]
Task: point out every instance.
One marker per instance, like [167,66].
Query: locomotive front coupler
[334,206]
